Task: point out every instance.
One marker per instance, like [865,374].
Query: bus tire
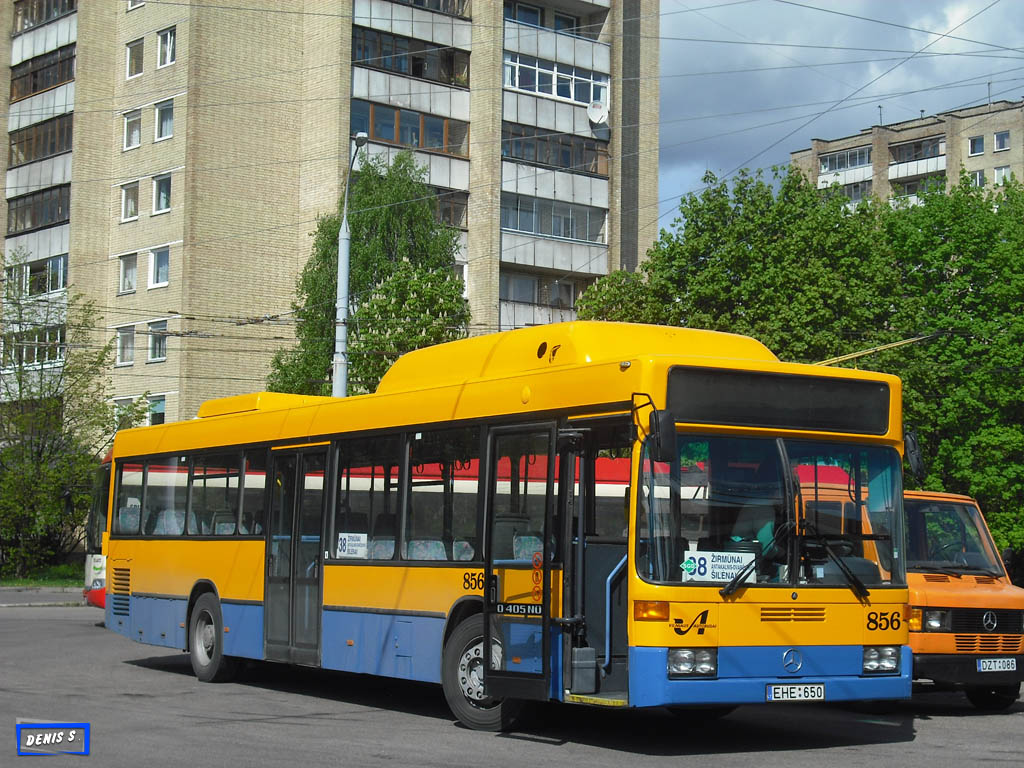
[462,669]
[993,698]
[206,642]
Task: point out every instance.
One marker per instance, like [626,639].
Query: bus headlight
[936,621]
[881,659]
[692,662]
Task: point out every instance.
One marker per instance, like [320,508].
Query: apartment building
[168,161]
[900,160]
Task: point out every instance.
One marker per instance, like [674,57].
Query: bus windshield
[728,510]
[949,537]
[98,511]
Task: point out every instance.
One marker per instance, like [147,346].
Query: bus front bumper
[745,675]
[961,668]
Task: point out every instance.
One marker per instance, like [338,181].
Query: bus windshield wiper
[852,578]
[745,571]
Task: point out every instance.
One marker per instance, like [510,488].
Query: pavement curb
[45,605]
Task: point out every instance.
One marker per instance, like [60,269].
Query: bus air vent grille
[794,613]
[936,578]
[121,590]
[989,643]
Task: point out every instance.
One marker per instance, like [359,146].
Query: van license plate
[803,692]
[997,665]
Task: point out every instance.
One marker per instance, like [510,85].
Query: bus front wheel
[993,698]
[206,642]
[462,671]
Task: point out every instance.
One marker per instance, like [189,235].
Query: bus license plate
[802,692]
[997,665]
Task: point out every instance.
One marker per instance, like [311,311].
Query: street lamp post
[339,379]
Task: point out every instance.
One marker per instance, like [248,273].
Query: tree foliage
[814,278]
[403,291]
[56,422]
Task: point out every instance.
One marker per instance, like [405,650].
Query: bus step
[598,699]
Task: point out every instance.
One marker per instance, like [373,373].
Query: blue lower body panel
[408,647]
[744,673]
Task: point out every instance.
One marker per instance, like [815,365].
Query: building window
[406,56]
[1002,174]
[164,120]
[158,341]
[159,267]
[128,271]
[133,129]
[130,201]
[918,150]
[537,216]
[857,191]
[451,207]
[134,52]
[161,194]
[39,141]
[38,210]
[850,158]
[559,150]
[135,4]
[411,129]
[122,408]
[126,345]
[33,13]
[165,47]
[524,13]
[976,145]
[566,24]
[562,81]
[977,178]
[34,348]
[157,407]
[1002,141]
[41,73]
[517,287]
[926,185]
[38,277]
[451,7]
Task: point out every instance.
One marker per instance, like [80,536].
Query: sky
[743,84]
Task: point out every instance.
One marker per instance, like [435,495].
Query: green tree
[403,290]
[56,421]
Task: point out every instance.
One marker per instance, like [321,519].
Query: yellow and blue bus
[595,513]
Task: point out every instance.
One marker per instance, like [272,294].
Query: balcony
[929,166]
[560,47]
[519,314]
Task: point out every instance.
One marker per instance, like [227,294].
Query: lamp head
[361,138]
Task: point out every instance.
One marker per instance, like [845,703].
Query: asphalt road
[146,708]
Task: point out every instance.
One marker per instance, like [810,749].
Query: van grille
[973,620]
[792,613]
[989,643]
[121,590]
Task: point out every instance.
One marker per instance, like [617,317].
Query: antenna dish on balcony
[597,113]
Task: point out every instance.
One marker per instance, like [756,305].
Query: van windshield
[949,537]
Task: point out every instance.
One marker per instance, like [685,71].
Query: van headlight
[692,662]
[937,621]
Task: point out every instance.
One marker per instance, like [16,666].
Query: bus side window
[213,509]
[254,493]
[163,512]
[129,498]
[364,524]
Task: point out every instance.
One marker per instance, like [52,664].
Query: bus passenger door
[291,603]
[520,547]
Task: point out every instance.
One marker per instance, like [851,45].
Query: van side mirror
[912,451]
[663,436]
[1007,556]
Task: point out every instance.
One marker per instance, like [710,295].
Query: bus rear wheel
[206,642]
[993,698]
[462,671]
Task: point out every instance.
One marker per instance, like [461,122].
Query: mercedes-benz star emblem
[792,661]
[989,621]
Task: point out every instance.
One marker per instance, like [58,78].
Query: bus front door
[291,606]
[520,547]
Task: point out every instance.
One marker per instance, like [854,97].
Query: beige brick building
[899,160]
[169,161]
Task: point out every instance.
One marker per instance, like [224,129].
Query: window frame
[154,260]
[151,401]
[32,141]
[125,347]
[125,197]
[448,123]
[133,4]
[978,178]
[169,33]
[158,110]
[42,209]
[43,72]
[1000,175]
[157,347]
[157,181]
[123,260]
[129,118]
[996,138]
[970,146]
[129,47]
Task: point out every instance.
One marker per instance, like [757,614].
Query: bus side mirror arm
[913,453]
[662,435]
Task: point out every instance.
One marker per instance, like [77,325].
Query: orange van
[966,618]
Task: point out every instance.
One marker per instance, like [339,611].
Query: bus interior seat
[462,550]
[128,519]
[525,545]
[426,549]
[864,569]
[223,523]
[382,548]
[754,522]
